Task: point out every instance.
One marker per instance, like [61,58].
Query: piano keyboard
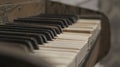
[63,40]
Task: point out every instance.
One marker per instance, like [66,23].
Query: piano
[55,40]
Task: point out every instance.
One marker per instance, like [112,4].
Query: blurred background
[112,9]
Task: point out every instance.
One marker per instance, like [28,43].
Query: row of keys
[36,30]
[70,48]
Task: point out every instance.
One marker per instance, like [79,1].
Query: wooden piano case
[101,46]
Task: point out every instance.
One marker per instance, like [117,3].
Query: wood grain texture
[58,8]
[11,9]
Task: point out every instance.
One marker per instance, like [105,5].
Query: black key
[69,19]
[48,36]
[58,27]
[48,33]
[26,43]
[66,20]
[72,18]
[35,36]
[32,40]
[33,26]
[40,21]
[50,19]
[28,28]
[40,37]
